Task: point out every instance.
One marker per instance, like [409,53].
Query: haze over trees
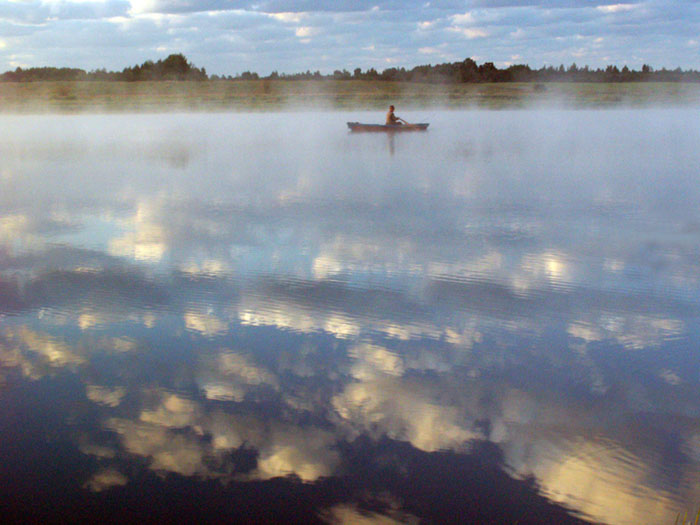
[177,68]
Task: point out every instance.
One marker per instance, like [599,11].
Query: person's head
[391,108]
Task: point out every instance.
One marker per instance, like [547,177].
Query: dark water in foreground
[265,317]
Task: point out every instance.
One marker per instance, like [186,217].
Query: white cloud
[305,31]
[288,18]
[616,8]
[143,6]
[463,19]
[471,33]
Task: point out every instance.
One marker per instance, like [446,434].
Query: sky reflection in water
[504,309]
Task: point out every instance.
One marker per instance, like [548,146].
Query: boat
[358,126]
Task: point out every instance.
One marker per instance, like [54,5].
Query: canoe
[358,126]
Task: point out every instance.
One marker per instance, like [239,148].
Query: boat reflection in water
[491,325]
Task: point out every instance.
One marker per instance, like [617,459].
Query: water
[265,317]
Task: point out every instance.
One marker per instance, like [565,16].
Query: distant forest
[177,67]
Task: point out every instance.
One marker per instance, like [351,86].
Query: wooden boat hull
[358,126]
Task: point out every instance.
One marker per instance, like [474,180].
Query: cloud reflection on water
[241,327]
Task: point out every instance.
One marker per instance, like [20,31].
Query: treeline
[177,67]
[468,71]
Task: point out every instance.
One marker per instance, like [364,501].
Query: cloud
[290,316]
[471,32]
[231,36]
[305,31]
[102,395]
[14,226]
[307,453]
[147,241]
[603,482]
[206,324]
[36,353]
[289,18]
[172,411]
[304,308]
[634,332]
[37,12]
[177,6]
[177,440]
[403,411]
[229,375]
[617,8]
[349,514]
[373,360]
[464,24]
[282,6]
[463,19]
[179,453]
[106,479]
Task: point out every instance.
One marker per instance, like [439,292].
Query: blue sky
[231,36]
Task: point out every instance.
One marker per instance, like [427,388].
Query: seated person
[393,120]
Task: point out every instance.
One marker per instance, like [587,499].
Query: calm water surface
[265,317]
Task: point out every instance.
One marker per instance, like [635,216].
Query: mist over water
[268,310]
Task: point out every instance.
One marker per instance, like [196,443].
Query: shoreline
[286,95]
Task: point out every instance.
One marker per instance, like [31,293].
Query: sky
[231,36]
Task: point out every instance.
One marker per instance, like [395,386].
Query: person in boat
[393,120]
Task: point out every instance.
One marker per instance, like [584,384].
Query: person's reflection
[390,138]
